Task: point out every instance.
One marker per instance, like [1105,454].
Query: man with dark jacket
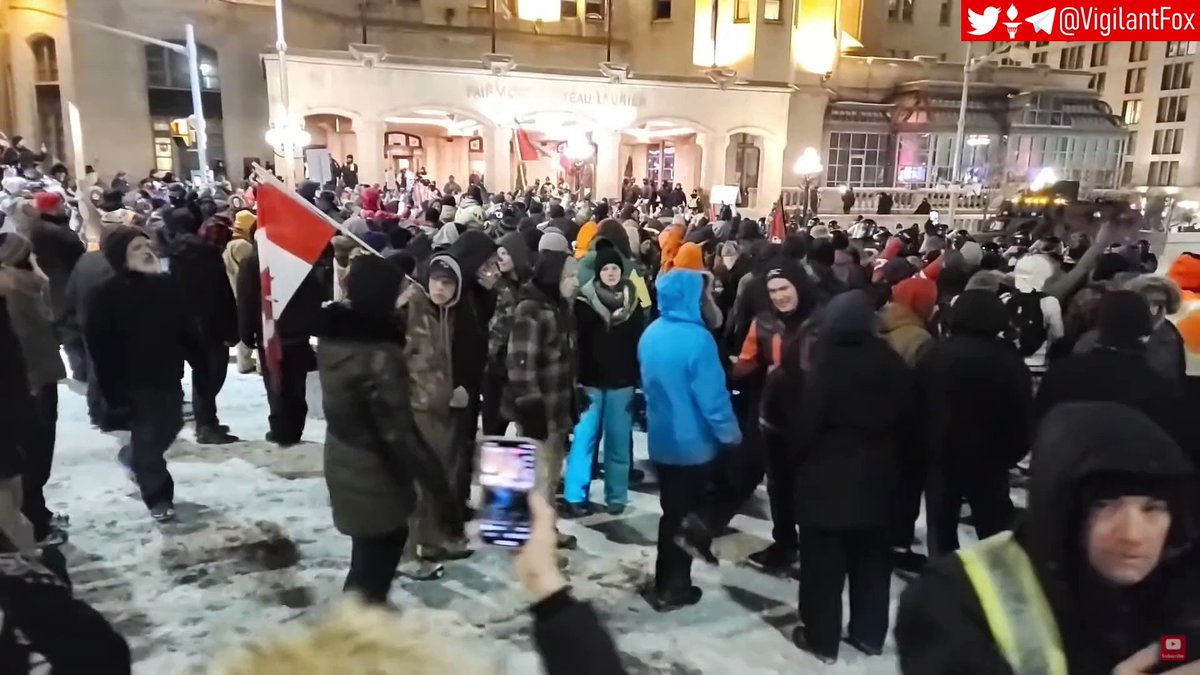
[515,261]
[1117,369]
[16,411]
[977,399]
[196,265]
[567,227]
[542,366]
[1098,571]
[90,273]
[137,334]
[475,253]
[289,405]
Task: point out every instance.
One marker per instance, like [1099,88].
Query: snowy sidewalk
[255,548]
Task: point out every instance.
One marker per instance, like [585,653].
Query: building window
[570,9]
[741,11]
[1100,54]
[1041,44]
[1097,84]
[594,10]
[166,69]
[1039,57]
[45,59]
[1132,144]
[1135,80]
[480,4]
[1071,58]
[662,9]
[1172,109]
[747,159]
[859,159]
[771,10]
[1180,49]
[1091,160]
[660,163]
[1139,51]
[1127,173]
[1131,111]
[1163,173]
[900,10]
[1177,76]
[1168,142]
[946,12]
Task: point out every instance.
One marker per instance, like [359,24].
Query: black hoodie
[198,268]
[975,391]
[941,629]
[474,311]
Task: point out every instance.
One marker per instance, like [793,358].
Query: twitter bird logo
[982,24]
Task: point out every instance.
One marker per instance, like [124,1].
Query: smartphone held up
[507,473]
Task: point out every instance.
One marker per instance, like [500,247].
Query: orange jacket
[670,241]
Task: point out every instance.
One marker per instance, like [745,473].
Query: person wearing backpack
[1036,317]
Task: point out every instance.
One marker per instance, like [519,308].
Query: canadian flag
[778,222]
[291,236]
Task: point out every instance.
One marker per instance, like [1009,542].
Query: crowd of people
[859,370]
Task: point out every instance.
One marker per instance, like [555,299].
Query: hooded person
[197,266]
[820,258]
[782,328]
[378,463]
[58,249]
[542,366]
[515,260]
[977,400]
[436,401]
[138,334]
[670,240]
[1091,578]
[559,221]
[1165,350]
[1117,369]
[609,324]
[476,255]
[848,467]
[1037,317]
[26,297]
[690,422]
[904,320]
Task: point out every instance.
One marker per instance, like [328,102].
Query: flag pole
[266,177]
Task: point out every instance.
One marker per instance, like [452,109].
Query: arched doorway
[663,151]
[743,166]
[331,155]
[443,145]
[556,147]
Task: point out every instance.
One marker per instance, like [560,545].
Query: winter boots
[215,435]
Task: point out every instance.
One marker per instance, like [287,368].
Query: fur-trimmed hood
[1147,284]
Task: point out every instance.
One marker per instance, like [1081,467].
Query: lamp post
[808,166]
[285,130]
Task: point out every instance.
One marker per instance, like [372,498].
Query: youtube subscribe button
[1096,21]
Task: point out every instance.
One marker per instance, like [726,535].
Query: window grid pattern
[1177,76]
[1135,80]
[1163,173]
[1168,142]
[1172,109]
[858,159]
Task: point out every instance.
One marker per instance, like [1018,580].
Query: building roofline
[521,71]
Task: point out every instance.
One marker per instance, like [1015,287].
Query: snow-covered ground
[255,548]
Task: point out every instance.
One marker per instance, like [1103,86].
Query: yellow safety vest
[1016,609]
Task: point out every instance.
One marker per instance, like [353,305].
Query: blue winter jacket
[688,410]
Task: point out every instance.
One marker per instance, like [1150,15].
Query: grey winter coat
[375,459]
[28,298]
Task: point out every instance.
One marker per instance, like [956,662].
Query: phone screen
[507,471]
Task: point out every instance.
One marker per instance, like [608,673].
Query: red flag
[778,229]
[291,236]
[527,150]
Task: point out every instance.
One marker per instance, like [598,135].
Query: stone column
[771,176]
[497,154]
[369,142]
[608,169]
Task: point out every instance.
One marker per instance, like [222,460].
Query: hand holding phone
[537,563]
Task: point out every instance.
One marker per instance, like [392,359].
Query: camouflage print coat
[500,326]
[542,359]
[430,332]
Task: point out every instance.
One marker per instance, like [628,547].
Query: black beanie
[404,261]
[115,245]
[1123,319]
[608,256]
[372,286]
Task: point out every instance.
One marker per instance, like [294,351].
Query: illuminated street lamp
[808,166]
[287,138]
[1044,178]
